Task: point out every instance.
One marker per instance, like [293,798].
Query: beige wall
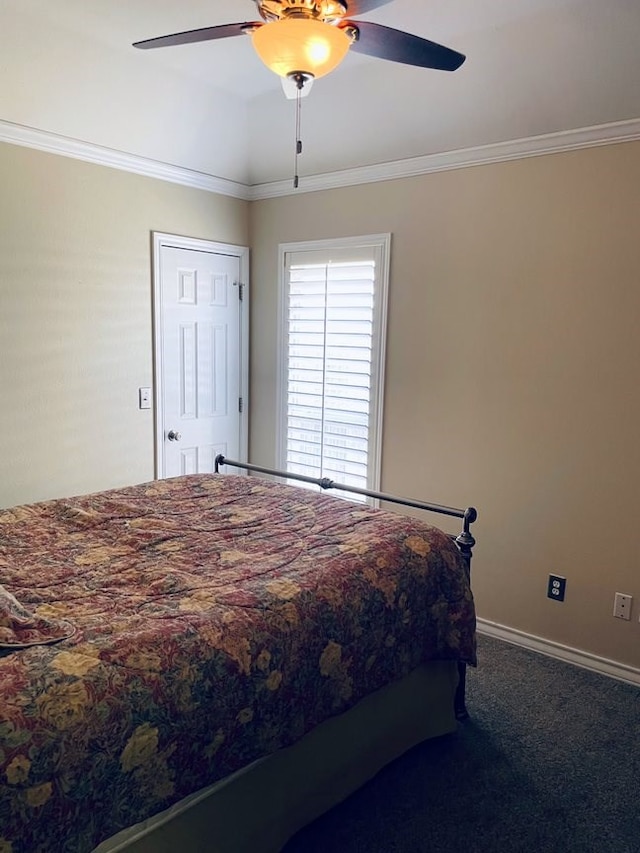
[511,364]
[512,370]
[76,317]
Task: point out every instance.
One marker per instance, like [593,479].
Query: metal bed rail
[465,540]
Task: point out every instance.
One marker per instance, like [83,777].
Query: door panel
[199,350]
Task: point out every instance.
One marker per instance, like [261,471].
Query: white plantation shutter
[333,347]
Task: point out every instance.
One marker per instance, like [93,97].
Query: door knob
[174,435]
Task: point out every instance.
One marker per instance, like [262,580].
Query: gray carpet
[548,763]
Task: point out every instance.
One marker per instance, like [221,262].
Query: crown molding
[53,143]
[499,152]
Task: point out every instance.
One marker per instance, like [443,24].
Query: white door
[200,351]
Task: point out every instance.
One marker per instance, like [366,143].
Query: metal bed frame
[464,540]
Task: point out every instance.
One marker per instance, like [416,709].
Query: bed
[211,661]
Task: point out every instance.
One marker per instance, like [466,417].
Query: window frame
[381,244]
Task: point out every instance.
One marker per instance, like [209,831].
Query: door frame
[161,240]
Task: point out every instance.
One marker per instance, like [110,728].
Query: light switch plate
[144,398]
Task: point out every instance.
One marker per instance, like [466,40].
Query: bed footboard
[464,540]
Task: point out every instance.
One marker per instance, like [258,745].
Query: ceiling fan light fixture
[301,45]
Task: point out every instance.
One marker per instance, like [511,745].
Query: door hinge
[240,291]
[240,404]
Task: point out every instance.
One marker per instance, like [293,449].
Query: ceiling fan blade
[398,46]
[361,7]
[205,34]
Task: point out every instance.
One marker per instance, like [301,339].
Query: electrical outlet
[556,587]
[622,605]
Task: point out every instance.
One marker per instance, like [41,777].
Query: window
[333,316]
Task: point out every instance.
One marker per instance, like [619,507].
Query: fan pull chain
[300,83]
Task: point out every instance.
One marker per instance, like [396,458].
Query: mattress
[197,625]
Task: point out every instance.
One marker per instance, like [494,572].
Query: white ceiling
[533,67]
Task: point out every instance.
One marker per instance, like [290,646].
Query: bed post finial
[465,540]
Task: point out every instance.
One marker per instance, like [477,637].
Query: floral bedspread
[216,618]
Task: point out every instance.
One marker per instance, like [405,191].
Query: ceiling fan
[305,39]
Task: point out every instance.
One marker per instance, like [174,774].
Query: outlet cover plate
[556,587]
[622,605]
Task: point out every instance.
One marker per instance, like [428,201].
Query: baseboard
[586,660]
